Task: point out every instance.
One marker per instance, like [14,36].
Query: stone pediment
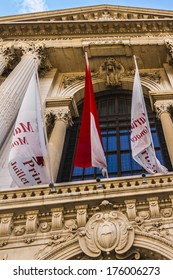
[90,13]
[87,21]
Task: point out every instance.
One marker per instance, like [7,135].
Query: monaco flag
[141,140]
[26,163]
[89,150]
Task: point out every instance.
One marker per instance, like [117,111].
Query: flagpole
[51,185]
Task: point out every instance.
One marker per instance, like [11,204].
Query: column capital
[7,55]
[60,113]
[37,50]
[163,107]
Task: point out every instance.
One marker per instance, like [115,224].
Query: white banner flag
[26,163]
[141,140]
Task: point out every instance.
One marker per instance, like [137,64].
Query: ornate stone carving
[68,80]
[130,255]
[31,222]
[70,225]
[7,56]
[57,218]
[51,247]
[81,215]
[6,224]
[163,107]
[19,230]
[144,215]
[106,231]
[50,122]
[62,114]
[131,209]
[45,227]
[36,49]
[139,224]
[39,52]
[153,76]
[154,207]
[166,213]
[111,70]
[169,45]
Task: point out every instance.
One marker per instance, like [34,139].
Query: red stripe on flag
[83,151]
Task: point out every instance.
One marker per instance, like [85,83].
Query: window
[114,111]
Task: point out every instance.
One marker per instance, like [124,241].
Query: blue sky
[14,7]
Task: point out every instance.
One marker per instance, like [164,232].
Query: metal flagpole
[51,185]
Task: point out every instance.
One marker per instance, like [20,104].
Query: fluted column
[56,141]
[163,112]
[14,87]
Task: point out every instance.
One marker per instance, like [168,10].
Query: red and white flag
[141,139]
[26,162]
[90,150]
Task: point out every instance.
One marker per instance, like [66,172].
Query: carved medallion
[106,231]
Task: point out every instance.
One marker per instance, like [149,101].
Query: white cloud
[31,6]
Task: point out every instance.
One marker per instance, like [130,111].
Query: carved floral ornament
[163,107]
[106,231]
[54,114]
[111,71]
[38,50]
[6,54]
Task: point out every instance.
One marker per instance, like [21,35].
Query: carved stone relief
[169,45]
[50,119]
[111,70]
[106,231]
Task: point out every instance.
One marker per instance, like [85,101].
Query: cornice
[83,28]
[160,96]
[57,102]
[87,192]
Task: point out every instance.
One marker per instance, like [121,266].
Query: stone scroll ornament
[105,232]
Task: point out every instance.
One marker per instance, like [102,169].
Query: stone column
[6,55]
[14,87]
[163,112]
[56,141]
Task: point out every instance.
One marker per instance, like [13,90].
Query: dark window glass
[114,111]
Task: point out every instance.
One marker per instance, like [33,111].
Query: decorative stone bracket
[31,222]
[6,224]
[57,218]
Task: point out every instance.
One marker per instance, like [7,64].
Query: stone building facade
[127,216]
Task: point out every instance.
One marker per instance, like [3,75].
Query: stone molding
[60,225]
[81,29]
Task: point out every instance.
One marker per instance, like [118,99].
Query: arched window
[114,109]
